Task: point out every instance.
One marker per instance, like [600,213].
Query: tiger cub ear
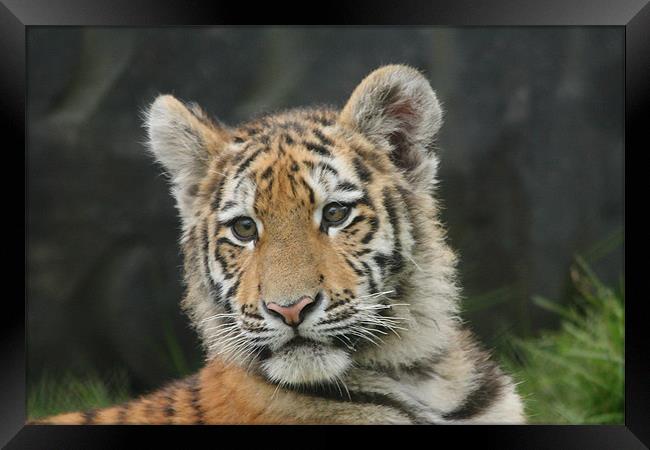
[396,109]
[184,140]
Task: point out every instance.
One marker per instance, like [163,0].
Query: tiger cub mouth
[299,341]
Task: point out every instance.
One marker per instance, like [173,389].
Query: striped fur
[384,343]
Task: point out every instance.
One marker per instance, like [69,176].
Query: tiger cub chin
[317,272]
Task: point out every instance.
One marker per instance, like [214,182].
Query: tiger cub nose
[292,314]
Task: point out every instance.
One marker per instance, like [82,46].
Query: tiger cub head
[310,237]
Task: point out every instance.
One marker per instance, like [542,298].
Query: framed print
[395,216]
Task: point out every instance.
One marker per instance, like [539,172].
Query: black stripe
[382,260]
[293,125]
[206,249]
[321,118]
[322,138]
[317,148]
[241,181]
[264,139]
[387,401]
[252,130]
[232,291]
[216,287]
[312,197]
[479,399]
[227,205]
[269,189]
[338,317]
[397,261]
[267,173]
[218,295]
[346,186]
[389,206]
[225,266]
[248,161]
[356,220]
[374,226]
[253,315]
[356,270]
[361,170]
[194,386]
[372,285]
[261,329]
[365,200]
[239,156]
[422,369]
[292,183]
[89,416]
[336,304]
[327,168]
[122,412]
[169,410]
[331,392]
[216,198]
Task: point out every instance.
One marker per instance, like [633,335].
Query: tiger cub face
[300,229]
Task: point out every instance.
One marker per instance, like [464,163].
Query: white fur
[175,139]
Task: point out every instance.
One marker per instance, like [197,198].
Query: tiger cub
[316,268]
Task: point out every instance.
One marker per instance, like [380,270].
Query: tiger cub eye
[335,213]
[244,228]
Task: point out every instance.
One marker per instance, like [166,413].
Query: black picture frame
[17,15]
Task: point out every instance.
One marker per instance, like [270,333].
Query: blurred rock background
[531,173]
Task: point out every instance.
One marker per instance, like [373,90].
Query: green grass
[575,375]
[52,395]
